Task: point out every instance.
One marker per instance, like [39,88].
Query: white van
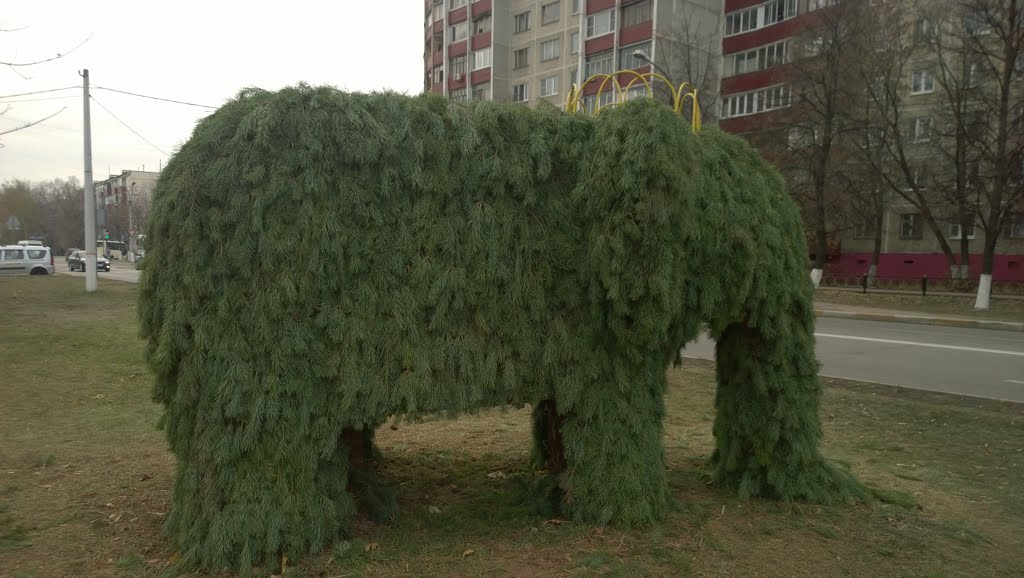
[25,260]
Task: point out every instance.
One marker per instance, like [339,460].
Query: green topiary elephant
[319,261]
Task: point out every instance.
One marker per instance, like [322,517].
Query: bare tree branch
[13,65]
[33,123]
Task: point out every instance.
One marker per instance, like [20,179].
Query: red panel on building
[626,78]
[437,88]
[754,80]
[754,122]
[636,33]
[458,15]
[454,84]
[480,76]
[599,44]
[481,7]
[481,40]
[765,35]
[599,5]
[733,5]
[438,27]
[457,49]
[438,58]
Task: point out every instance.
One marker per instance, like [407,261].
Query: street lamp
[641,55]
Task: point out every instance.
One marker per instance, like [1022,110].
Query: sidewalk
[824,309]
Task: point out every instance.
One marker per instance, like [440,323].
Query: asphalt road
[119,271]
[976,362]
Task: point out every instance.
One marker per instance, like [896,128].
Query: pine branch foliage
[319,261]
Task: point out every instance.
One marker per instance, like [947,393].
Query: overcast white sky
[202,52]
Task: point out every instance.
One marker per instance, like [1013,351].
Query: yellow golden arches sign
[680,94]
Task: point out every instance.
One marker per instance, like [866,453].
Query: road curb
[922,320]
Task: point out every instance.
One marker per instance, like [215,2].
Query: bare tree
[824,97]
[18,66]
[992,39]
[691,54]
[888,80]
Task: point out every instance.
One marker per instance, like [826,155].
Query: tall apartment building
[761,41]
[535,50]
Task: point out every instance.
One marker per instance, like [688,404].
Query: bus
[111,249]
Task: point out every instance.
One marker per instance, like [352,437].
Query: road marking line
[920,344]
[1017,381]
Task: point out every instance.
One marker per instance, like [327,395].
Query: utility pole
[90,193]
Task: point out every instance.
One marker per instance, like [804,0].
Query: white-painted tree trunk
[984,292]
[816,277]
[872,272]
[958,271]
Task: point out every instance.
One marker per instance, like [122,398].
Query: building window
[592,105]
[457,95]
[458,32]
[759,16]
[438,12]
[437,74]
[551,49]
[759,58]
[924,30]
[574,75]
[864,230]
[482,25]
[482,91]
[627,58]
[977,23]
[922,82]
[576,4]
[457,67]
[522,22]
[600,63]
[816,4]
[972,74]
[521,92]
[549,86]
[954,228]
[920,176]
[550,13]
[766,99]
[910,226]
[481,58]
[457,4]
[521,58]
[600,23]
[574,43]
[636,13]
[921,129]
[1016,226]
[777,11]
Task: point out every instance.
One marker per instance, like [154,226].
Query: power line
[128,127]
[154,97]
[40,91]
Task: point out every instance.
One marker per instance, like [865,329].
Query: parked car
[76,262]
[25,260]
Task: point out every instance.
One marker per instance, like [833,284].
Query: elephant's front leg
[614,457]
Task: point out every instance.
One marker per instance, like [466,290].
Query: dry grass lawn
[85,476]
